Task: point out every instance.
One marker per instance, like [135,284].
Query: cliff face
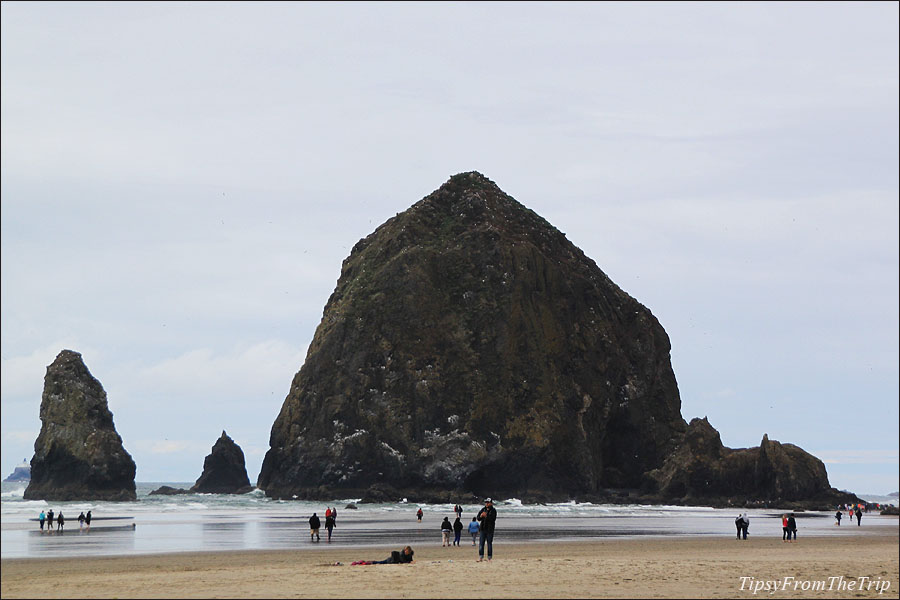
[78,455]
[224,470]
[469,345]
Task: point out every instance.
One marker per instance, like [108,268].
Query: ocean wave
[17,493]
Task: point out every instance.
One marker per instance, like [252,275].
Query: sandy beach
[827,567]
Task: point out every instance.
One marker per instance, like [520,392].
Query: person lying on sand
[396,558]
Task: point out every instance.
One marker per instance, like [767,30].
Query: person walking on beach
[87,520]
[784,528]
[327,512]
[81,518]
[487,516]
[60,521]
[745,525]
[792,528]
[42,517]
[457,530]
[473,529]
[858,516]
[446,530]
[329,525]
[739,524]
[314,524]
[458,510]
[838,515]
[50,520]
[334,515]
[419,514]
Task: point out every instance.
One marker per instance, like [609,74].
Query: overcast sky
[181,182]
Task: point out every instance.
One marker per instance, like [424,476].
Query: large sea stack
[224,470]
[469,346]
[78,455]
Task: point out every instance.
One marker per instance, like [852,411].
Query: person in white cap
[487,516]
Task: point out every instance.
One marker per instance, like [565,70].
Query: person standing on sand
[838,515]
[42,517]
[446,529]
[457,530]
[739,524]
[60,521]
[473,529]
[784,528]
[50,520]
[81,521]
[334,515]
[487,516]
[329,525]
[792,527]
[745,525]
[419,514]
[314,524]
[87,520]
[858,516]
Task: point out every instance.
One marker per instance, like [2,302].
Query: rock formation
[470,347]
[701,468]
[224,470]
[78,455]
[20,473]
[167,490]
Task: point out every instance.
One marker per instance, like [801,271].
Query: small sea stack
[224,470]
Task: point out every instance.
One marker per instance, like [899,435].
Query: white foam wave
[16,493]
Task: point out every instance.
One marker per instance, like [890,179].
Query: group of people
[48,518]
[482,523]
[851,511]
[788,528]
[315,523]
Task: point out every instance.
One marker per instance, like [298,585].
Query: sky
[181,182]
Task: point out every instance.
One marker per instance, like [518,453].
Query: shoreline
[614,567]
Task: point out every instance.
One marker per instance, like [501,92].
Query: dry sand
[637,568]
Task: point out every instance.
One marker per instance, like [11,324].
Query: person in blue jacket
[473,529]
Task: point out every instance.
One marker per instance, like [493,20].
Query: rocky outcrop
[19,474]
[702,469]
[469,345]
[470,348]
[224,470]
[78,455]
[167,490]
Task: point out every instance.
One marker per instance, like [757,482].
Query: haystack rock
[469,347]
[78,455]
[224,470]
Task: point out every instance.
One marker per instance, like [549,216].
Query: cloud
[22,377]
[859,457]
[243,373]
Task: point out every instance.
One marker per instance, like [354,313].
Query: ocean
[212,522]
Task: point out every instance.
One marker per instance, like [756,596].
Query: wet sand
[647,567]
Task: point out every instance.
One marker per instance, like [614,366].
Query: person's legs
[490,545]
[481,541]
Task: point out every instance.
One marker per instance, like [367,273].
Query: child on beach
[473,529]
